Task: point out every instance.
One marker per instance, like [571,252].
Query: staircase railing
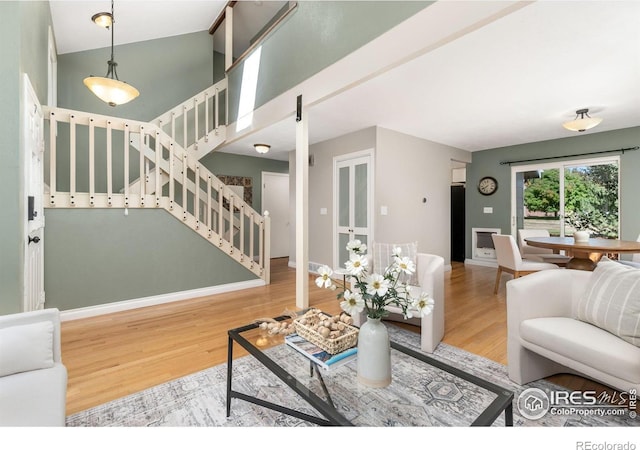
[102,164]
[199,123]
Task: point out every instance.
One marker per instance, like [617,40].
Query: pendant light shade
[109,88]
[582,121]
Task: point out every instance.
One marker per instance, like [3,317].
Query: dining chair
[510,260]
[532,253]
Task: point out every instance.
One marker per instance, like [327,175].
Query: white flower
[356,264]
[356,246]
[377,284]
[324,280]
[396,251]
[352,303]
[405,265]
[424,304]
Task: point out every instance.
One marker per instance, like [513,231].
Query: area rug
[199,399]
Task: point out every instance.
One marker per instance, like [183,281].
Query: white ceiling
[513,79]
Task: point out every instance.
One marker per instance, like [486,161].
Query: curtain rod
[569,156]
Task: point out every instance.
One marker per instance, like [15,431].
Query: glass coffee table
[424,391]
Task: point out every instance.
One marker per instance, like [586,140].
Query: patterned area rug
[198,400]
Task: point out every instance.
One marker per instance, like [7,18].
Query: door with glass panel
[353,203]
[566,196]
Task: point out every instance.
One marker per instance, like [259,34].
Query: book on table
[319,356]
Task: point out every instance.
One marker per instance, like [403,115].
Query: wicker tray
[347,340]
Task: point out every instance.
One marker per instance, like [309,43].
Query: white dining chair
[532,253]
[510,260]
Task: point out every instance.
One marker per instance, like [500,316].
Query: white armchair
[33,380]
[430,274]
[544,337]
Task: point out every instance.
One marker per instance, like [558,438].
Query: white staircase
[131,151]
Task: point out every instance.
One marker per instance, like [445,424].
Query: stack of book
[319,356]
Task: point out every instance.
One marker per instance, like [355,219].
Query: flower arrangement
[374,292]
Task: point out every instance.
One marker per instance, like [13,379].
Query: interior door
[353,203]
[275,199]
[33,150]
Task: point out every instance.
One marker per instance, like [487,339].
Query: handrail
[202,200]
[205,111]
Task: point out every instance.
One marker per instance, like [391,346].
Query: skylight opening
[248,90]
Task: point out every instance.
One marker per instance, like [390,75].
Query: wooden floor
[114,355]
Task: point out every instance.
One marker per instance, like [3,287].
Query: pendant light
[583,123]
[109,88]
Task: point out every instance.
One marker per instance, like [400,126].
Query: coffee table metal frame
[502,403]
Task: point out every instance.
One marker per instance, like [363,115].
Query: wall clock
[487,185]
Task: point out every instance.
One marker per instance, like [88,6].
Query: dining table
[584,254]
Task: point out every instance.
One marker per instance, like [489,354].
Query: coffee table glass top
[424,391]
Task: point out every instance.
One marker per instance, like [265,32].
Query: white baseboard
[108,308]
[448,268]
[481,262]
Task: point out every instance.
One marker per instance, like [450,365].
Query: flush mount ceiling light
[109,88]
[262,148]
[584,122]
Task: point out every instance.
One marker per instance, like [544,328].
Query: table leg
[229,373]
[508,416]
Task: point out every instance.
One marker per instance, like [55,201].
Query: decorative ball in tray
[332,334]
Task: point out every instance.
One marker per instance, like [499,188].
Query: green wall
[487,163]
[23,39]
[166,71]
[316,35]
[98,256]
[245,166]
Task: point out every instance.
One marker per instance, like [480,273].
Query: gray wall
[98,256]
[407,169]
[487,163]
[23,38]
[314,36]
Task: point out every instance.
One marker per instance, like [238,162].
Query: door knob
[35,239]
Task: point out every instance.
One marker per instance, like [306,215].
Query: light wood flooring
[117,354]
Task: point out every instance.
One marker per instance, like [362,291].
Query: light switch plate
[383,211]
[488,210]
[323,211]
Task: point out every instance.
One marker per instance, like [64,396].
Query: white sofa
[430,274]
[33,380]
[545,337]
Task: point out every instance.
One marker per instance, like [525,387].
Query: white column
[228,37]
[302,211]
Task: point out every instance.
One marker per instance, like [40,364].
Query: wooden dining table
[585,255]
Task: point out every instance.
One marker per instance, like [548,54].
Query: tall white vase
[374,354]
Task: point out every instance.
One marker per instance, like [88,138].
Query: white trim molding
[125,305]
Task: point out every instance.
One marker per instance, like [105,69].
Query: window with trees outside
[566,196]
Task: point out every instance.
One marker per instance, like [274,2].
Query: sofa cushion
[382,258]
[584,343]
[611,300]
[26,347]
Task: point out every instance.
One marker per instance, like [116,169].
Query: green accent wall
[99,256]
[166,71]
[220,163]
[313,37]
[23,39]
[487,163]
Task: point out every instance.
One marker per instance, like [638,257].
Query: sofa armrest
[548,293]
[42,315]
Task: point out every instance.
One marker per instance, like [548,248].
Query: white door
[33,151]
[353,202]
[275,199]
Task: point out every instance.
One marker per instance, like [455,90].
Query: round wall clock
[487,185]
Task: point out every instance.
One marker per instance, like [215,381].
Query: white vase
[374,354]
